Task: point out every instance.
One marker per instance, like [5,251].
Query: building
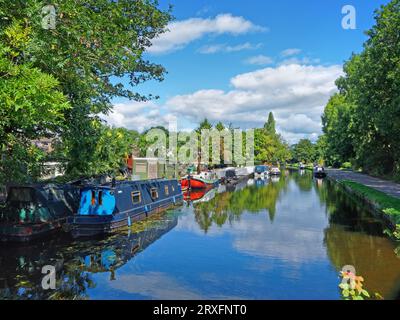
[151,168]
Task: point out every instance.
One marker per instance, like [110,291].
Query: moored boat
[319,172]
[105,208]
[261,172]
[35,211]
[203,180]
[274,171]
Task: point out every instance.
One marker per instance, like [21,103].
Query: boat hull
[27,233]
[320,175]
[91,226]
[196,183]
[122,205]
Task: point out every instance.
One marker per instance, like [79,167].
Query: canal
[284,238]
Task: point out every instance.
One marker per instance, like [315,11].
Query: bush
[347,165]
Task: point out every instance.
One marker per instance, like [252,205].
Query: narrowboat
[274,171]
[105,208]
[230,176]
[261,172]
[204,180]
[319,172]
[35,211]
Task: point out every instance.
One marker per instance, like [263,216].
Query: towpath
[388,187]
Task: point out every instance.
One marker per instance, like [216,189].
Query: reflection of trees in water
[304,181]
[20,268]
[21,276]
[228,206]
[355,237]
[372,257]
[344,209]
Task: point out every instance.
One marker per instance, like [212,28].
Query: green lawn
[389,204]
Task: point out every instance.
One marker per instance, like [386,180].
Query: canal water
[284,238]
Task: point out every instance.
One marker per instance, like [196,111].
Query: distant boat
[105,208]
[302,166]
[274,171]
[36,210]
[230,177]
[203,180]
[319,172]
[261,172]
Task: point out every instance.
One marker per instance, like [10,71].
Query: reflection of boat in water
[21,273]
[34,211]
[105,208]
[275,179]
[199,195]
[259,182]
[117,251]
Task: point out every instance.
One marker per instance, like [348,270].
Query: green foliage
[101,152]
[269,147]
[362,123]
[346,165]
[95,43]
[32,106]
[304,151]
[269,126]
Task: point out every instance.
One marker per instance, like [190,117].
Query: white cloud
[295,93]
[138,115]
[295,60]
[290,52]
[259,60]
[226,48]
[183,32]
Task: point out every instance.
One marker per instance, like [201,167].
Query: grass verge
[389,205]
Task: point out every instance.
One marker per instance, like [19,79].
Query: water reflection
[281,238]
[76,262]
[228,206]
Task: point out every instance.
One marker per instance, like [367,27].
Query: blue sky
[235,61]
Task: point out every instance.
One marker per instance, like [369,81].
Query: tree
[363,122]
[32,106]
[96,44]
[337,122]
[304,151]
[269,126]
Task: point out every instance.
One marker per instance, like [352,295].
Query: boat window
[166,190]
[93,198]
[154,193]
[100,198]
[136,197]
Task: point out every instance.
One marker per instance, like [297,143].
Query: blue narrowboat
[104,208]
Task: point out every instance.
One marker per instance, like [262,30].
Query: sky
[235,61]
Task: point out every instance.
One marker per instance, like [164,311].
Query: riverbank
[382,196]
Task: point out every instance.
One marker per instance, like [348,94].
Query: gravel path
[388,187]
